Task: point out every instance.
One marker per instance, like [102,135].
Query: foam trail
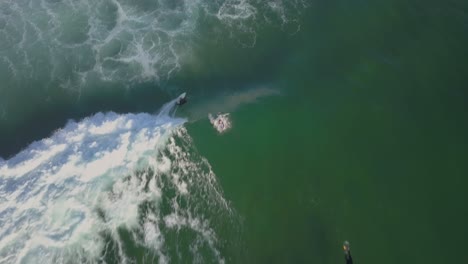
[229,102]
[72,197]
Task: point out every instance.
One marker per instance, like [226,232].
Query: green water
[367,141]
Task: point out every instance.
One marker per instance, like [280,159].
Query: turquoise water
[348,123]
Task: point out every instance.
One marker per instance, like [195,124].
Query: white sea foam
[70,43]
[221,122]
[67,197]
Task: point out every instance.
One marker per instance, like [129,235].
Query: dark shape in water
[347,251]
[182,99]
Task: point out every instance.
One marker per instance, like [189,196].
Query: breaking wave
[112,189]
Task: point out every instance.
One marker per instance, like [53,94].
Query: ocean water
[348,121]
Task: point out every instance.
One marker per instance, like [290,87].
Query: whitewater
[75,44]
[82,57]
[96,186]
[112,187]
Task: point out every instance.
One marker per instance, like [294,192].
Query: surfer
[347,251]
[182,99]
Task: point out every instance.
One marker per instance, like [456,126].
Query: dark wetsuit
[181,101]
[349,259]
